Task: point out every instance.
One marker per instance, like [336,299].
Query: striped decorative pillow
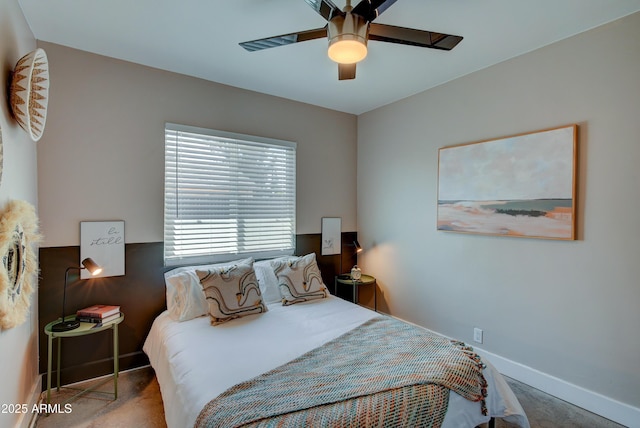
[299,279]
[231,292]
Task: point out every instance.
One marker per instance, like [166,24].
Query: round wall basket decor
[29,92]
[18,267]
[1,158]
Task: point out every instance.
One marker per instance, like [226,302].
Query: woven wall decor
[18,266]
[1,157]
[29,92]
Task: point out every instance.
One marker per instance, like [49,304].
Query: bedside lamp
[92,267]
[357,249]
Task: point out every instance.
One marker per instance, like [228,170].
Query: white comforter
[195,362]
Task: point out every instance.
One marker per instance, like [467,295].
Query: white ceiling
[200,38]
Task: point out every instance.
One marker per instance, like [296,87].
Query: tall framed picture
[103,241]
[331,236]
[520,186]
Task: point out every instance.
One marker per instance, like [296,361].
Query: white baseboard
[28,419]
[606,407]
[622,413]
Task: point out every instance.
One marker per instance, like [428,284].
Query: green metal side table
[364,280]
[84,329]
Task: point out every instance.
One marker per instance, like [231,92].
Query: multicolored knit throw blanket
[385,373]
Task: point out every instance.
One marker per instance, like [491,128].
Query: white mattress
[195,362]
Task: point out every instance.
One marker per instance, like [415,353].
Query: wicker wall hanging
[29,92]
[1,157]
[18,266]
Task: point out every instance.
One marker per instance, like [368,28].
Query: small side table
[364,280]
[84,329]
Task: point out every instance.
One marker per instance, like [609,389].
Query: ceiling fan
[350,29]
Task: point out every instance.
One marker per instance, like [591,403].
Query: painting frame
[331,236]
[104,242]
[522,185]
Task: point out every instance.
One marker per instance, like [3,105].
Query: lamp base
[65,326]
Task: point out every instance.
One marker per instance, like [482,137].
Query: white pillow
[185,298]
[268,281]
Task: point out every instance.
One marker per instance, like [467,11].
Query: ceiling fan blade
[325,8]
[346,71]
[371,9]
[285,39]
[410,36]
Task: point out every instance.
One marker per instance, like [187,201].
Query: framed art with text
[521,186]
[103,241]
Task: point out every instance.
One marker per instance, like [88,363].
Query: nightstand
[84,329]
[364,280]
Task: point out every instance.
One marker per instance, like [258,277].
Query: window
[227,196]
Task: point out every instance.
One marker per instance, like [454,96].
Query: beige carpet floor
[139,405]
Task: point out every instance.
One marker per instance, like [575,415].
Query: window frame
[244,142]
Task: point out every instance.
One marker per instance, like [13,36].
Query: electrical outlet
[477,334]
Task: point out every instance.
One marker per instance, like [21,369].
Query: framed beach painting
[520,186]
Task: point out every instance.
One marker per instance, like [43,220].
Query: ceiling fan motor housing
[348,37]
[349,31]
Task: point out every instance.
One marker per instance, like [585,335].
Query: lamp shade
[91,266]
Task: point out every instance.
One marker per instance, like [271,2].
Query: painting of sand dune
[521,186]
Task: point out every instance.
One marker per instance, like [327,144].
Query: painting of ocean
[543,218]
[520,186]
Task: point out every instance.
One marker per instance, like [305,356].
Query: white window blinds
[227,196]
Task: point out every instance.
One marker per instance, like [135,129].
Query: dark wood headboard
[141,295]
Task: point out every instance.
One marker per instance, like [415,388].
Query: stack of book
[98,313]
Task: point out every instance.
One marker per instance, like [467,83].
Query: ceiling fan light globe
[347,51]
[348,37]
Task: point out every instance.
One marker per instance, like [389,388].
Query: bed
[195,361]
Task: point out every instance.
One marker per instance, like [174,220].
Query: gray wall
[102,155]
[569,309]
[19,345]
